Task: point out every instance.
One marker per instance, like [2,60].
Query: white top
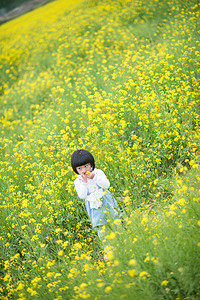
[85,189]
[99,202]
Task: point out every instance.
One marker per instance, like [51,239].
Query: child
[92,185]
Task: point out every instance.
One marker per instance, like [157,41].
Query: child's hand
[90,175]
[87,175]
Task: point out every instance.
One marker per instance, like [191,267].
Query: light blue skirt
[108,210]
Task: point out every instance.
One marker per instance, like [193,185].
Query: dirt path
[21,9]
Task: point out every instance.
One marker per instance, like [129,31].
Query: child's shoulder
[98,171]
[78,178]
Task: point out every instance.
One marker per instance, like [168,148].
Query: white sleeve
[81,188]
[101,179]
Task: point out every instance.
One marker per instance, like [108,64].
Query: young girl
[92,185]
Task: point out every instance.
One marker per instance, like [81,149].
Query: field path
[21,9]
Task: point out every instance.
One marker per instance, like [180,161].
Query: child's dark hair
[82,157]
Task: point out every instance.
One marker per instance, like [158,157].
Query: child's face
[82,170]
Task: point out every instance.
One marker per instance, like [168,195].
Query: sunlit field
[120,79]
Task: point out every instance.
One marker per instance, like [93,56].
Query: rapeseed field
[120,79]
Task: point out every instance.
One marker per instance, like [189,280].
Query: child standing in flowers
[92,185]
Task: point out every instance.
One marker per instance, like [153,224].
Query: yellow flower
[84,295]
[100,284]
[20,286]
[117,221]
[126,200]
[144,275]
[164,282]
[108,289]
[132,273]
[111,236]
[132,262]
[60,253]
[83,285]
[144,220]
[116,263]
[31,291]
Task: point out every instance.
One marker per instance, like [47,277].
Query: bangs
[82,160]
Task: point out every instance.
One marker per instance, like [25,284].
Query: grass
[121,79]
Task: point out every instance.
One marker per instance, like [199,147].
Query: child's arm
[81,189]
[101,179]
